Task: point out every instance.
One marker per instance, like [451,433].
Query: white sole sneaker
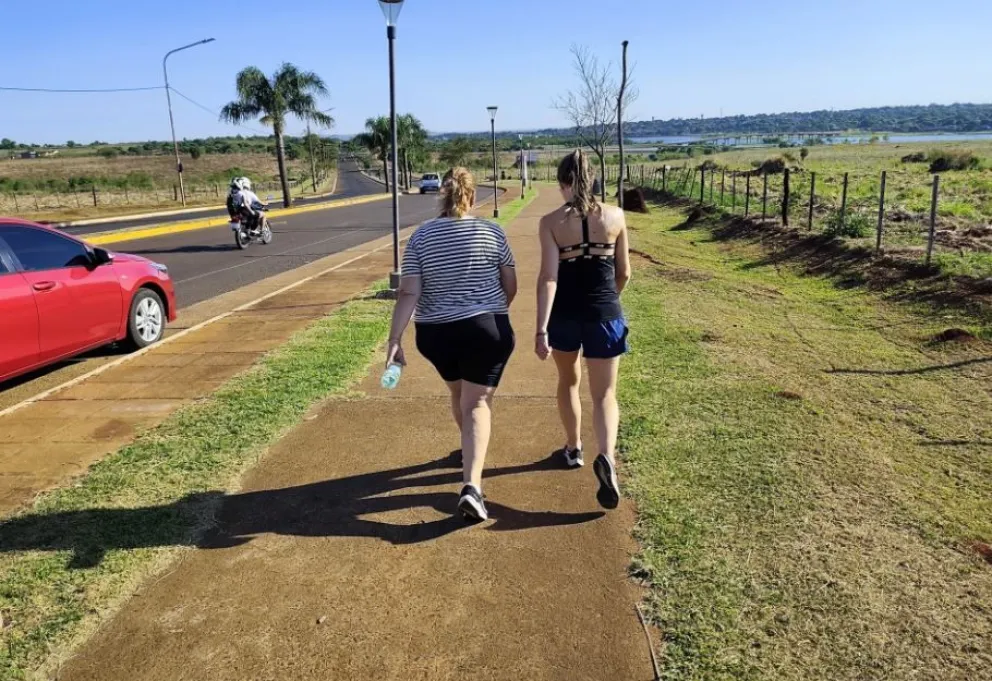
[471,505]
[608,495]
[573,458]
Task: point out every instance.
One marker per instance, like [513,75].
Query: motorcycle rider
[244,201]
[232,208]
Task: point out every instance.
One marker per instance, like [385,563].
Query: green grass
[59,579]
[810,471]
[973,264]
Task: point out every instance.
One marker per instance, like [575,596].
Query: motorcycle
[244,235]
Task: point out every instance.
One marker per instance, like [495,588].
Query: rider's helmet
[245,183]
[236,183]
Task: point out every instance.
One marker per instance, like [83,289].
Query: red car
[60,297]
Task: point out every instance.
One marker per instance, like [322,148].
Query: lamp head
[391,10]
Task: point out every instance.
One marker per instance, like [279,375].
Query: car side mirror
[102,256]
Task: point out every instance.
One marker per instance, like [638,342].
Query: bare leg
[455,387]
[569,405]
[476,412]
[605,410]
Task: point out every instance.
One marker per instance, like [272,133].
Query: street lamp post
[391,10]
[523,168]
[172,122]
[492,121]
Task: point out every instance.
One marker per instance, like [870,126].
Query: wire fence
[891,211]
[21,203]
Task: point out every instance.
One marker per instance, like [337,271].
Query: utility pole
[623,88]
[313,162]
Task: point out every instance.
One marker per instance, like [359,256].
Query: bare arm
[406,304]
[508,280]
[623,270]
[547,286]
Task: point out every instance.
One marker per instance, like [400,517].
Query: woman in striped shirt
[459,280]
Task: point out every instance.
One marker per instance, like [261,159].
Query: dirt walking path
[341,558]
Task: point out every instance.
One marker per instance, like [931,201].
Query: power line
[214,112]
[99,90]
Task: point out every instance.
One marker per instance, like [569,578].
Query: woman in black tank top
[579,313]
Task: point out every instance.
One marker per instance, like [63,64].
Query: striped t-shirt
[458,261]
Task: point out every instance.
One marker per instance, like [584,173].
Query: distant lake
[895,138]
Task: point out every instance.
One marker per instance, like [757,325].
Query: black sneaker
[608,495]
[573,457]
[471,505]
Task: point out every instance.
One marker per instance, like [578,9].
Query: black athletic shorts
[474,350]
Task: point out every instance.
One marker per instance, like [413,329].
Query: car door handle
[44,286]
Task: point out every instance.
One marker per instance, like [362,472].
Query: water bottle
[391,378]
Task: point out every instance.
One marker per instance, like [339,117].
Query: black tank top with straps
[587,287]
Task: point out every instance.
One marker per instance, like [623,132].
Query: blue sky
[727,55]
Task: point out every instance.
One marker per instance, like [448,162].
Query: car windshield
[430,178]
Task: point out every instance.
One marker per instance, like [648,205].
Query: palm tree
[377,138]
[289,91]
[412,139]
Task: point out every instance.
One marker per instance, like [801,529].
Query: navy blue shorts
[597,340]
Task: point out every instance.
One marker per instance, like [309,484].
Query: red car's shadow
[112,350]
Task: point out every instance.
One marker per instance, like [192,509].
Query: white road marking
[258,260]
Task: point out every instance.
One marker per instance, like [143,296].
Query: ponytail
[457,193]
[573,172]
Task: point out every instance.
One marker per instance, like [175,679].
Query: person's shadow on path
[332,508]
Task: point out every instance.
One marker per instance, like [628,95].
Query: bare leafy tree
[592,106]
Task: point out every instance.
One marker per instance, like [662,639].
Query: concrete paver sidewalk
[341,558]
[45,443]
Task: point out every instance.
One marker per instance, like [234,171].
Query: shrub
[804,153]
[917,157]
[852,225]
[196,152]
[772,166]
[108,152]
[943,161]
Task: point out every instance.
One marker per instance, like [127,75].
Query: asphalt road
[205,263]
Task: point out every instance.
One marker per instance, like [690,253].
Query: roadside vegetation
[810,467]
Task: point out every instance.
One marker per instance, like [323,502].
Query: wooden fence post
[712,174]
[812,199]
[747,196]
[16,207]
[785,199]
[764,198]
[723,184]
[664,178]
[733,182]
[881,214]
[843,202]
[933,218]
[702,185]
[94,195]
